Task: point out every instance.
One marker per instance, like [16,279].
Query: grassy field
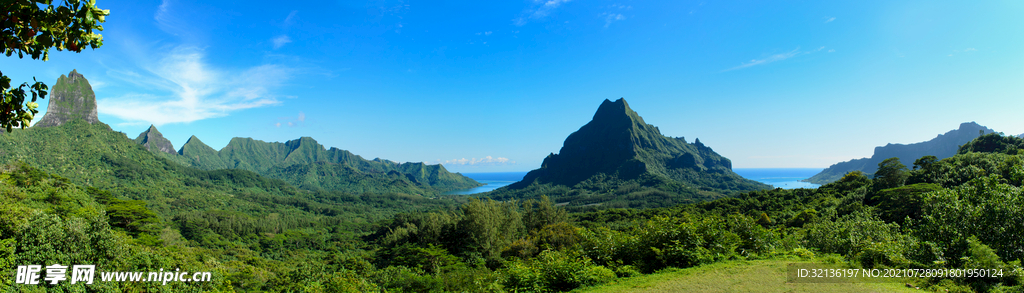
[738,276]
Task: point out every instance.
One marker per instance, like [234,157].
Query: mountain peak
[193,144]
[618,143]
[617,112]
[152,140]
[969,125]
[70,98]
[609,108]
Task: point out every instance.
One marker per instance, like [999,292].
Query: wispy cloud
[769,59]
[185,88]
[166,20]
[968,50]
[485,161]
[540,9]
[775,58]
[281,41]
[291,18]
[829,19]
[612,17]
[291,121]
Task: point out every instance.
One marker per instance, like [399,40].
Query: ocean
[786,178]
[492,181]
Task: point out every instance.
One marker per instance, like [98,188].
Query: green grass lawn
[738,276]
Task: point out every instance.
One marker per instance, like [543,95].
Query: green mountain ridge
[307,164]
[73,99]
[942,146]
[621,157]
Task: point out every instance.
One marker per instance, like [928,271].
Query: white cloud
[957,52]
[777,57]
[540,11]
[612,17]
[485,161]
[281,41]
[185,88]
[830,19]
[769,59]
[831,50]
[97,84]
[291,18]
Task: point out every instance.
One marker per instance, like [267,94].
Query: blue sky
[487,87]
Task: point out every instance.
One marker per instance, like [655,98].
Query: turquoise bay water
[786,178]
[492,180]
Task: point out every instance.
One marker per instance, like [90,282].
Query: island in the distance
[942,146]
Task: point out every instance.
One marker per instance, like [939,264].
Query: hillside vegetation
[112,203]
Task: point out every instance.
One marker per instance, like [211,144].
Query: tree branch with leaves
[32,27]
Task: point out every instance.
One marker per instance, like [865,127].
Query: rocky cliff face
[154,141]
[70,98]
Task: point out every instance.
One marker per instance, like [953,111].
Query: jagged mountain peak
[618,109]
[153,140]
[193,140]
[308,164]
[193,144]
[618,114]
[618,143]
[71,97]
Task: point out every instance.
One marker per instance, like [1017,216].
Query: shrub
[554,271]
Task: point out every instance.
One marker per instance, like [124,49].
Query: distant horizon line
[822,168]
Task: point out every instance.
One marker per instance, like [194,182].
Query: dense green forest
[96,197]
